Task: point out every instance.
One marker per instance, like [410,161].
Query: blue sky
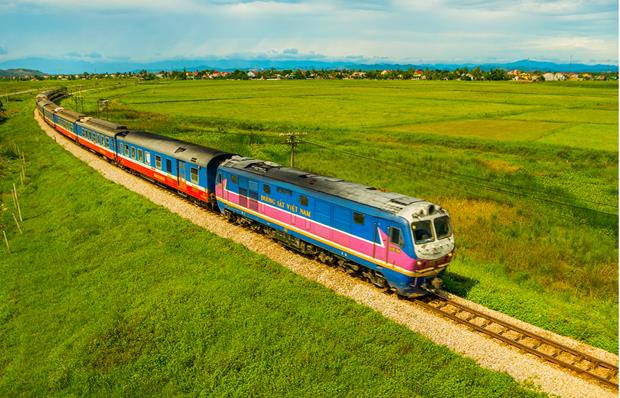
[363,30]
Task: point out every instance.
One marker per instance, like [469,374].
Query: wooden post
[6,242]
[23,174]
[19,210]
[17,223]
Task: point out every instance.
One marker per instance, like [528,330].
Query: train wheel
[377,279]
[230,216]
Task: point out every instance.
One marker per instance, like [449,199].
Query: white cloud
[427,30]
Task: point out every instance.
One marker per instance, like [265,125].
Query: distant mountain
[20,72]
[71,66]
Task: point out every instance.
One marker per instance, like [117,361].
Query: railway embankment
[487,352]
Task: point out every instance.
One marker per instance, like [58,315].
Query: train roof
[54,93]
[69,114]
[45,102]
[50,106]
[388,201]
[102,125]
[182,150]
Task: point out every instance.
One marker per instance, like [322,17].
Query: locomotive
[396,241]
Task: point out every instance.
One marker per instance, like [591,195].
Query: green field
[100,296]
[528,171]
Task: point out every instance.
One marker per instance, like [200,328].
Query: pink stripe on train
[356,244]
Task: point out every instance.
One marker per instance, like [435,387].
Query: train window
[422,231]
[266,189]
[147,156]
[234,179]
[303,200]
[395,237]
[133,152]
[442,227]
[193,175]
[358,218]
[126,150]
[139,155]
[168,165]
[285,191]
[219,178]
[158,161]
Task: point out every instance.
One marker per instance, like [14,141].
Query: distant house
[251,74]
[385,72]
[549,76]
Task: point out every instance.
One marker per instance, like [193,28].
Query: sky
[414,31]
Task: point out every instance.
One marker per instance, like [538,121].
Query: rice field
[107,294]
[528,171]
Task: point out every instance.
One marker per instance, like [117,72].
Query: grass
[528,171]
[106,294]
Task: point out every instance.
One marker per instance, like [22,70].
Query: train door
[394,245]
[342,225]
[323,218]
[243,191]
[253,195]
[375,239]
[181,176]
[361,229]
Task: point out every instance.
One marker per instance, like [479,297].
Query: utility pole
[102,106]
[293,140]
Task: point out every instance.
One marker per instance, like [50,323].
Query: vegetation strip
[600,370]
[108,294]
[463,341]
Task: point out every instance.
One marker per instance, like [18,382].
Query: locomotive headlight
[450,254]
[418,262]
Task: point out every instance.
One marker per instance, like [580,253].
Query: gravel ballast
[488,353]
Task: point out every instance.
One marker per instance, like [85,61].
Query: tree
[298,75]
[477,73]
[497,74]
[2,115]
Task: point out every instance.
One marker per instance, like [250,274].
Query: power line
[485,186]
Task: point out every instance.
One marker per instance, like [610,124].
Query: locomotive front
[433,240]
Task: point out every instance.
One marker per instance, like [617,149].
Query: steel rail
[592,364]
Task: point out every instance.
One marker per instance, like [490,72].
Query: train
[397,242]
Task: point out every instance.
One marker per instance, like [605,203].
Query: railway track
[568,358]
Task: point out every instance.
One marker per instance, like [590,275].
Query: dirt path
[486,352]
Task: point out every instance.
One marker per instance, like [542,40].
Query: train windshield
[442,227]
[422,231]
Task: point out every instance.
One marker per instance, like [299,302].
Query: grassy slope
[108,294]
[453,143]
